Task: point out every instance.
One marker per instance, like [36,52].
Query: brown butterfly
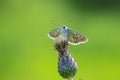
[74,37]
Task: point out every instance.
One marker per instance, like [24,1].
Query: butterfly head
[64,30]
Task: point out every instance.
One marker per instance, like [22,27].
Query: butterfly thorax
[64,32]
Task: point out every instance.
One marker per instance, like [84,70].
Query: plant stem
[70,79]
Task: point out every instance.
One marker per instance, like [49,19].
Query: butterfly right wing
[54,33]
[75,38]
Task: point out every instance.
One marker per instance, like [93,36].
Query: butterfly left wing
[54,33]
[76,38]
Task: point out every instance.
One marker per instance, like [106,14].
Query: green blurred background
[26,53]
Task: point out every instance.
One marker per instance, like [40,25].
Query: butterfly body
[73,37]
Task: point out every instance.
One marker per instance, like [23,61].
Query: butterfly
[73,37]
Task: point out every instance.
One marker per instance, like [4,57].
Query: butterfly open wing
[76,38]
[54,33]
